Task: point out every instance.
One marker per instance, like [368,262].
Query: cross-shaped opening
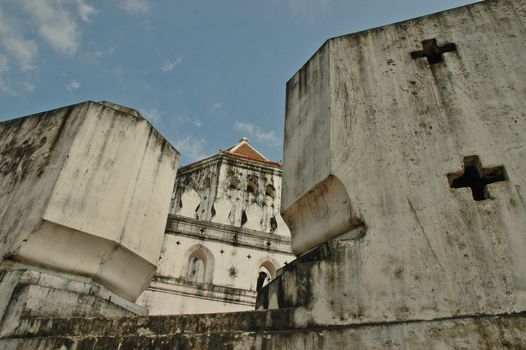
[432,51]
[476,177]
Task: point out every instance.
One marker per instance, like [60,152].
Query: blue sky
[205,73]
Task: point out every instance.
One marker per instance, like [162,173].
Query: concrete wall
[32,152]
[432,268]
[227,214]
[167,296]
[232,275]
[85,189]
[398,127]
[28,290]
[278,329]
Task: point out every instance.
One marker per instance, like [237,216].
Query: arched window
[192,185]
[262,277]
[273,224]
[252,184]
[200,266]
[196,270]
[234,183]
[251,187]
[267,271]
[270,191]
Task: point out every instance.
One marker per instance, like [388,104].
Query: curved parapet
[323,213]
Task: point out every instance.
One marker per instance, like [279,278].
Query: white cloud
[97,54]
[85,10]
[309,8]
[54,21]
[136,6]
[28,87]
[191,148]
[55,24]
[255,132]
[217,106]
[5,88]
[191,120]
[4,63]
[73,85]
[4,67]
[23,51]
[5,85]
[169,66]
[245,127]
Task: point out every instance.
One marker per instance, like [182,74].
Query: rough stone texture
[411,262]
[29,291]
[390,127]
[265,330]
[85,189]
[391,130]
[205,190]
[210,200]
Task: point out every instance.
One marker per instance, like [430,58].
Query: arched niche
[270,267]
[192,184]
[252,185]
[206,182]
[199,266]
[270,191]
[266,273]
[234,183]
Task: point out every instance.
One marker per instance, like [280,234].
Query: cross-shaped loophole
[432,51]
[476,177]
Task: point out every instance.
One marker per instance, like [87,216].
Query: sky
[204,73]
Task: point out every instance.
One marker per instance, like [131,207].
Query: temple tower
[224,233]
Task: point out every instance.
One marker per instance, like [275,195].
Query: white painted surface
[234,252]
[231,276]
[190,200]
[101,187]
[223,208]
[254,215]
[397,127]
[29,290]
[211,179]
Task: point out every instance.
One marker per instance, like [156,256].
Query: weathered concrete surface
[391,128]
[85,189]
[36,292]
[228,289]
[410,263]
[278,329]
[227,214]
[205,190]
